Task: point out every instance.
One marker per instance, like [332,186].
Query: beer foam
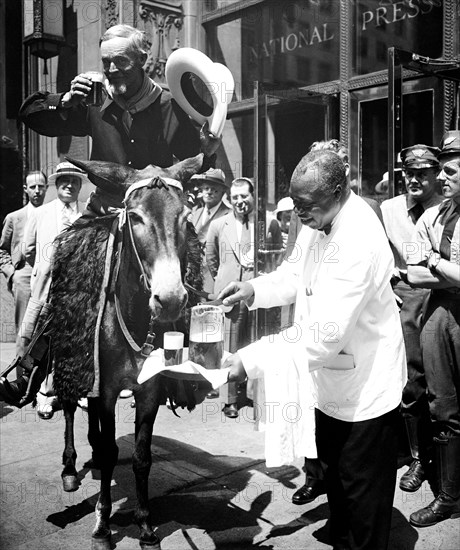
[210,333]
[173,340]
[95,76]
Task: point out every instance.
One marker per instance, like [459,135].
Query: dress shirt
[68,211]
[247,256]
[340,284]
[427,236]
[207,214]
[399,225]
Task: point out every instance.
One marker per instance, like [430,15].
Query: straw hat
[68,169]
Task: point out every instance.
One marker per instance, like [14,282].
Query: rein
[124,220]
[148,345]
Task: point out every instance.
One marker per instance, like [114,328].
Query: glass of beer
[95,95]
[173,344]
[206,342]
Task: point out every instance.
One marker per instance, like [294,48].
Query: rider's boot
[34,363]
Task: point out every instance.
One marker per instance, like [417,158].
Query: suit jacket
[223,253]
[42,229]
[197,213]
[12,247]
[345,314]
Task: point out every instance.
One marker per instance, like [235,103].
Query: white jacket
[340,284]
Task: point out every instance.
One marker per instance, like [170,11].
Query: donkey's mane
[78,269]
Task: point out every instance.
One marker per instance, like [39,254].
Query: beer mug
[206,342]
[173,344]
[95,95]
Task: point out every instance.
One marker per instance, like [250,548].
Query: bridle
[123,221]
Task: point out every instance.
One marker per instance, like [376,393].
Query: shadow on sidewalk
[200,490]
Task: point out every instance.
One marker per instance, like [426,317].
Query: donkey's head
[156,219]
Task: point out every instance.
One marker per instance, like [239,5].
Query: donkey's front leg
[101,533]
[69,456]
[147,403]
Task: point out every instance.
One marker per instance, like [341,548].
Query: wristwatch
[437,259]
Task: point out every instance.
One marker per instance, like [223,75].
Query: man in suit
[13,263]
[48,221]
[45,223]
[212,186]
[230,257]
[348,336]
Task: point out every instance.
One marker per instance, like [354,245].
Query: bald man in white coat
[349,337]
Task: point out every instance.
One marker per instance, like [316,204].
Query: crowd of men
[389,290]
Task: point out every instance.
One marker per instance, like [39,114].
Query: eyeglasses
[302,206]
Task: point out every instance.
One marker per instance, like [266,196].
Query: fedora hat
[213,175]
[284,205]
[450,144]
[182,68]
[68,169]
[382,186]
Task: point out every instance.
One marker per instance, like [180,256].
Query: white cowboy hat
[68,169]
[215,76]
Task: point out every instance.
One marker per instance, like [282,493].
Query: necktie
[66,216]
[416,211]
[450,221]
[246,243]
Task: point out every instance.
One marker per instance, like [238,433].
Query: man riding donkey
[139,124]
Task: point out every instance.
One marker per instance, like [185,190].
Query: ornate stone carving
[162,23]
[111,13]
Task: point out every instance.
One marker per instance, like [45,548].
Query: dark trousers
[239,332]
[414,398]
[360,475]
[440,341]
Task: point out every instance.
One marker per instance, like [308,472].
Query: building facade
[304,70]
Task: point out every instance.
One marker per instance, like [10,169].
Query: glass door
[422,119]
[286,123]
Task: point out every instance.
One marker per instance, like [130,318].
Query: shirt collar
[432,201]
[73,206]
[211,211]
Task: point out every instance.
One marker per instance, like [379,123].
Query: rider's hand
[209,142]
[79,90]
[235,292]
[237,372]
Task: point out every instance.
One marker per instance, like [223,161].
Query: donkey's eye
[135,218]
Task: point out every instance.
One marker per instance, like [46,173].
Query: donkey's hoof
[70,483]
[101,543]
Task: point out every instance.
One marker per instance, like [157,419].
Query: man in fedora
[433,260]
[230,257]
[400,214]
[13,263]
[45,223]
[213,186]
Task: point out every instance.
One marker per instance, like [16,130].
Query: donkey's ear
[185,169]
[109,176]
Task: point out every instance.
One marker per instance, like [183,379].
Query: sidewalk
[209,488]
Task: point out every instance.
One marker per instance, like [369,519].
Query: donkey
[112,304]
